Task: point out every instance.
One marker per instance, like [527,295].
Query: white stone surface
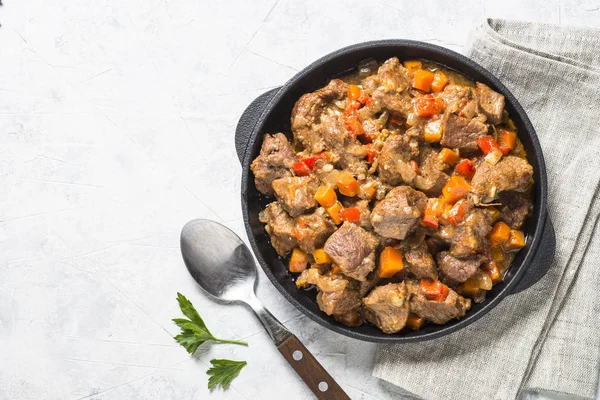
[116,127]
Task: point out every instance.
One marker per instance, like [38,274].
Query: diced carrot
[434,208]
[298,261]
[465,168]
[455,189]
[390,262]
[507,140]
[432,132]
[422,80]
[440,80]
[458,212]
[321,257]
[335,269]
[347,184]
[500,234]
[351,214]
[326,196]
[414,321]
[427,106]
[413,65]
[515,241]
[300,169]
[448,156]
[414,165]
[334,212]
[354,92]
[433,290]
[494,213]
[491,268]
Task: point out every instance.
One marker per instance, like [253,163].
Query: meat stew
[401,196]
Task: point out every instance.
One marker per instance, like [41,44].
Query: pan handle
[542,259]
[248,120]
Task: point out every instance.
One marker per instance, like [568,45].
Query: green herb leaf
[193,330]
[223,372]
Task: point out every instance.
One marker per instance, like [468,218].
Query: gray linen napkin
[548,336]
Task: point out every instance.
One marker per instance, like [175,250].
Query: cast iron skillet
[270,113]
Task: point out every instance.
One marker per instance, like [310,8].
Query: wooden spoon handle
[311,372]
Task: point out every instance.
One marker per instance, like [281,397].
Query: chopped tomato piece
[300,169]
[433,290]
[347,184]
[390,262]
[366,99]
[350,214]
[487,144]
[414,321]
[422,80]
[465,168]
[298,261]
[440,80]
[353,125]
[430,220]
[455,189]
[311,161]
[354,92]
[507,140]
[457,212]
[427,106]
[371,153]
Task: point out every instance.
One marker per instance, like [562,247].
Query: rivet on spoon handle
[311,372]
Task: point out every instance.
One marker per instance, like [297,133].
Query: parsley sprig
[193,330]
[223,372]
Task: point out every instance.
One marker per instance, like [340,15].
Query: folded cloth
[548,336]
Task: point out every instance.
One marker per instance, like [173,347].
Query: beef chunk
[388,87]
[280,227]
[455,306]
[337,295]
[352,249]
[387,307]
[307,113]
[462,133]
[347,154]
[363,207]
[394,167]
[397,215]
[471,236]
[370,282]
[296,194]
[419,262]
[431,179]
[313,230]
[276,156]
[455,270]
[515,209]
[491,103]
[511,173]
[456,96]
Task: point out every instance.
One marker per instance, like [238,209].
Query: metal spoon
[223,266]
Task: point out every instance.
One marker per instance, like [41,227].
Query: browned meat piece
[462,133]
[419,262]
[363,207]
[511,173]
[280,227]
[516,208]
[431,179]
[313,230]
[296,194]
[307,113]
[394,167]
[397,215]
[456,96]
[471,236]
[337,295]
[389,86]
[455,306]
[491,103]
[370,282]
[454,270]
[352,249]
[276,156]
[387,307]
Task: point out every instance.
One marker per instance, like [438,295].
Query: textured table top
[116,124]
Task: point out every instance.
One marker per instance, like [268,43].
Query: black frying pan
[270,113]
